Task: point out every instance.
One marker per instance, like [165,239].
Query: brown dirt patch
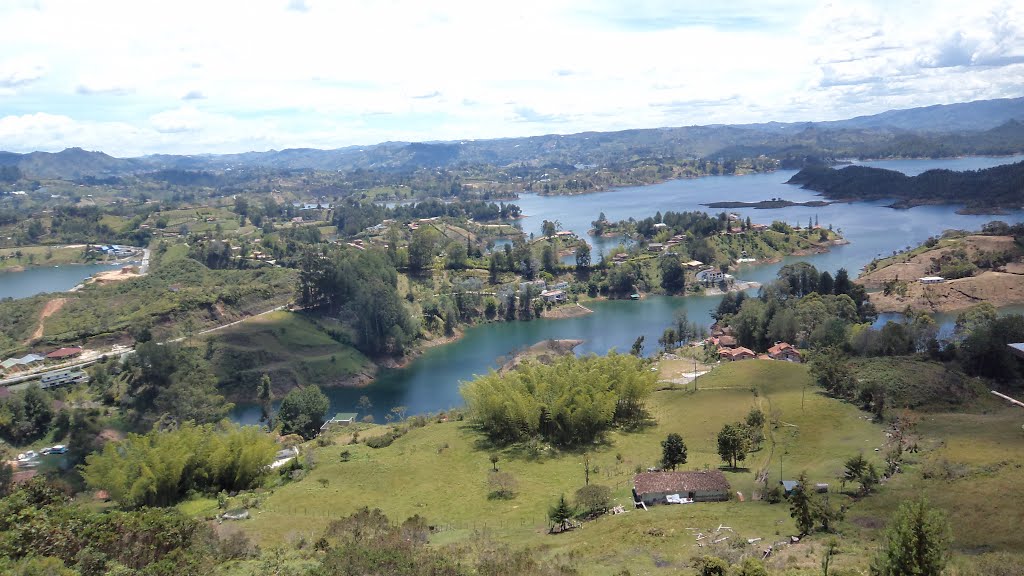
[566,311]
[109,434]
[49,309]
[918,266]
[997,288]
[1014,268]
[126,273]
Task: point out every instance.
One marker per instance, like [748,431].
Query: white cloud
[280,74]
[20,71]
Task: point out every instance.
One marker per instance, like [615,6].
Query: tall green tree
[916,542]
[673,275]
[638,346]
[673,451]
[265,396]
[302,411]
[831,370]
[549,258]
[582,257]
[801,505]
[732,444]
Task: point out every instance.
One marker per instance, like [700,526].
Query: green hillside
[292,348]
[453,462]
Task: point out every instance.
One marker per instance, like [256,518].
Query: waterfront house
[553,296]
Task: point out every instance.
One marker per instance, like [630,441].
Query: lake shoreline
[431,382]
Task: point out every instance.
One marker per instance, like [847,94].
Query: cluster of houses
[729,349]
[115,250]
[29,361]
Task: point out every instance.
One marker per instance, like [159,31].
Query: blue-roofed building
[788,486]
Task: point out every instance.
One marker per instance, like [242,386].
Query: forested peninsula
[987,191]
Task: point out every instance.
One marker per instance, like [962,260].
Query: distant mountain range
[981,127]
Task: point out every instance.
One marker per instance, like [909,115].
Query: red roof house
[784,351]
[740,353]
[64,353]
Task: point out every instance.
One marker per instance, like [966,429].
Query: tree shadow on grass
[737,469]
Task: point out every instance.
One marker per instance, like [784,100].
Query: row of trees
[572,401]
[161,467]
[352,216]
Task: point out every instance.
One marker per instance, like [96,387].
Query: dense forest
[1000,187]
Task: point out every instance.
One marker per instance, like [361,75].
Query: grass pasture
[40,256]
[290,347]
[440,472]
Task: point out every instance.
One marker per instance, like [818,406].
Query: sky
[134,77]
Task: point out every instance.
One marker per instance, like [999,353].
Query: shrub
[503,485]
[710,566]
[593,499]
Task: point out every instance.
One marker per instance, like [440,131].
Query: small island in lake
[767,204]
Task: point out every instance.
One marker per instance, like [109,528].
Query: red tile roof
[733,353]
[65,352]
[680,482]
[782,348]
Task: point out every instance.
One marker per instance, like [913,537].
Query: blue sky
[192,76]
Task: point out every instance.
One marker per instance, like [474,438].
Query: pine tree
[801,508]
[560,514]
[916,542]
[638,346]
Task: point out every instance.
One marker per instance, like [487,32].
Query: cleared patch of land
[996,288]
[292,348]
[49,309]
[999,284]
[14,259]
[567,311]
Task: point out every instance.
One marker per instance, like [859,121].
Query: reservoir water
[34,281]
[430,383]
